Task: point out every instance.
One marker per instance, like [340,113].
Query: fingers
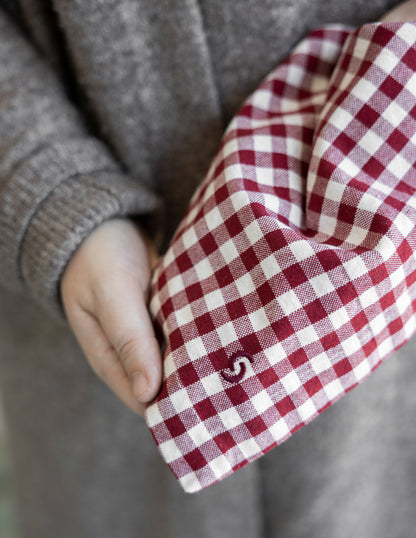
[125,320]
[103,358]
[104,289]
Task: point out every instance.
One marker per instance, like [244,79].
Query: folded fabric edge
[198,479]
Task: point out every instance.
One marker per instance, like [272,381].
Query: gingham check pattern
[292,275]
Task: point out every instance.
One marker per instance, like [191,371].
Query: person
[97,127]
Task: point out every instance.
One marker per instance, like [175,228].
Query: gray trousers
[87,467]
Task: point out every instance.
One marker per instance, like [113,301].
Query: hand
[404,12]
[104,293]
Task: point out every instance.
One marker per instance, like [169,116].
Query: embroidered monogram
[233,361]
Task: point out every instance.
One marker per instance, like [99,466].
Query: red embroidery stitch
[235,378]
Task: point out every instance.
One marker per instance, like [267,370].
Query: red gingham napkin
[292,275]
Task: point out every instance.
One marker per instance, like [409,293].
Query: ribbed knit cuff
[65,219]
[56,199]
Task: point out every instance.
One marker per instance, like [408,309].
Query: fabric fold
[291,277]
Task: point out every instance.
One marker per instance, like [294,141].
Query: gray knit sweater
[108,107]
[116,107]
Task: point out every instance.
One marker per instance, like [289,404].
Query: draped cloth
[292,274]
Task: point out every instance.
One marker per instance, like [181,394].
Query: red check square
[292,275]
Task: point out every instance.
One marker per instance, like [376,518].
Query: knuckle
[105,365]
[129,352]
[102,292]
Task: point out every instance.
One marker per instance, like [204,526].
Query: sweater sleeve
[57,182]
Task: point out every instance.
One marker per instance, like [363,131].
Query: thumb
[126,322]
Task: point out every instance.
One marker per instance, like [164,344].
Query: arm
[61,193]
[57,182]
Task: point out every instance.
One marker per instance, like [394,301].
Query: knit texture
[150,109]
[58,181]
[157,83]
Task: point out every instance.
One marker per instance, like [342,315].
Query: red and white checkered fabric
[292,275]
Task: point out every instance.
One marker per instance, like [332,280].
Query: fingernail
[140,384]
